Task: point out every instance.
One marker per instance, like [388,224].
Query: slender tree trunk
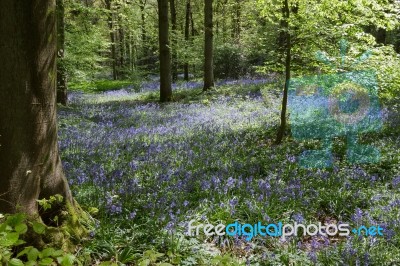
[144,53]
[223,22]
[174,42]
[217,11]
[143,19]
[208,45]
[110,23]
[187,24]
[121,50]
[236,20]
[29,159]
[193,29]
[62,96]
[193,32]
[165,53]
[288,45]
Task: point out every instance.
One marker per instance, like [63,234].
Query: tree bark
[187,25]
[288,46]
[165,53]
[29,159]
[110,23]
[174,42]
[62,88]
[208,45]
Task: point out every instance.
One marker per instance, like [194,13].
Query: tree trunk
[121,50]
[165,53]
[236,20]
[187,24]
[208,45]
[110,23]
[62,96]
[193,29]
[145,51]
[174,42]
[288,46]
[29,160]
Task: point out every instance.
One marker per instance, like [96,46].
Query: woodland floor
[150,168]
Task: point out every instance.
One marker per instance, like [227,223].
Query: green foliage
[47,204]
[100,85]
[229,61]
[12,231]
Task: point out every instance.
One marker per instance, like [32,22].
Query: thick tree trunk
[288,48]
[174,42]
[187,25]
[208,45]
[62,88]
[110,23]
[29,161]
[165,53]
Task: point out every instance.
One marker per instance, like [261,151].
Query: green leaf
[46,262]
[145,262]
[15,262]
[39,228]
[33,254]
[16,219]
[164,264]
[24,251]
[21,228]
[9,239]
[66,260]
[47,252]
[57,253]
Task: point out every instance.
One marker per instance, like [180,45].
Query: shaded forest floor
[150,168]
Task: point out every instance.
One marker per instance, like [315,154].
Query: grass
[150,168]
[99,85]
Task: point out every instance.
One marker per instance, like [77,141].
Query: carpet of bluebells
[150,168]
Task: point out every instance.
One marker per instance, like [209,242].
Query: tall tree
[187,24]
[288,47]
[165,52]
[174,41]
[236,19]
[208,45]
[29,159]
[110,22]
[62,96]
